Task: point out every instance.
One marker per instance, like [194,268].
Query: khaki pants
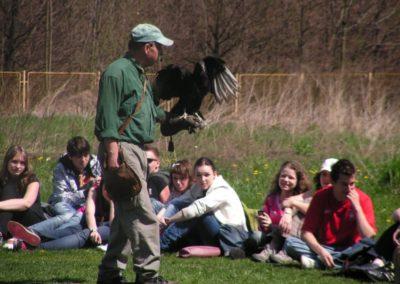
[134,228]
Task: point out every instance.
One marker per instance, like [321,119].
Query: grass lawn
[80,266]
[248,160]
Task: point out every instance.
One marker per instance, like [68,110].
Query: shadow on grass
[54,280]
[357,276]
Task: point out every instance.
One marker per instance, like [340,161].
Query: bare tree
[17,28]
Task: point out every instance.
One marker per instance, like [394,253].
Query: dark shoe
[380,274]
[155,280]
[117,280]
[20,245]
[20,232]
[237,253]
[364,267]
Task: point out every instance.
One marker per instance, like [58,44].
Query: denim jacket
[69,185]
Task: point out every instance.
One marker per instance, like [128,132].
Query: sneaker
[20,245]
[237,253]
[20,232]
[262,256]
[381,274]
[155,280]
[9,244]
[102,247]
[368,266]
[307,262]
[15,245]
[281,258]
[115,280]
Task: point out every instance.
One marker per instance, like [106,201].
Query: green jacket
[120,90]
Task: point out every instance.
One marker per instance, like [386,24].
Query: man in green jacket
[125,91]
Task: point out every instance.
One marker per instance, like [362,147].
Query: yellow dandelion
[266,166]
[366,177]
[40,158]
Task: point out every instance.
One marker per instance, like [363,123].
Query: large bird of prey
[210,75]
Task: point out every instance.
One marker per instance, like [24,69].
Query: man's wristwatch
[93,231]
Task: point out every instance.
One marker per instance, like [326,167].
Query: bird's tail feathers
[224,86]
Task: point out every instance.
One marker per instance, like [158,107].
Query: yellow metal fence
[50,93]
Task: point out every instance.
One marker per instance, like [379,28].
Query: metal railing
[37,92]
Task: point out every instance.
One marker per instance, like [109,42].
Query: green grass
[247,158]
[80,266]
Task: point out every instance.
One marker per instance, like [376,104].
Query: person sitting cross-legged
[217,205]
[339,216]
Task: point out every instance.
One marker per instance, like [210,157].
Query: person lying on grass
[94,233]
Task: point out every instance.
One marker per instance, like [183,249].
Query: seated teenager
[218,205]
[339,216]
[19,192]
[323,177]
[157,181]
[75,174]
[299,205]
[288,193]
[94,231]
[181,174]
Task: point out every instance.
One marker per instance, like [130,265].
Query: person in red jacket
[339,216]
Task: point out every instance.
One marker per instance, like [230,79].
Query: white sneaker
[9,244]
[262,256]
[102,247]
[307,262]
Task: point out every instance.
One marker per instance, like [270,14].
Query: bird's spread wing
[210,75]
[171,82]
[221,82]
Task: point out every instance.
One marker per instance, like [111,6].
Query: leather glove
[173,124]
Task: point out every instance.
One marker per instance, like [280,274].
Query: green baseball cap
[150,33]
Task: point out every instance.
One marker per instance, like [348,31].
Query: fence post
[23,83]
[369,94]
[236,111]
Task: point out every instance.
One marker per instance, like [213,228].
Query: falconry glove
[173,124]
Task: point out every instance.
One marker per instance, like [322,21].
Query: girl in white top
[220,205]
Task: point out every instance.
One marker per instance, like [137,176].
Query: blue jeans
[175,206]
[170,238]
[76,239]
[296,247]
[157,205]
[53,228]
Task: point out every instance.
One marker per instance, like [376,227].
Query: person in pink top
[276,219]
[338,217]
